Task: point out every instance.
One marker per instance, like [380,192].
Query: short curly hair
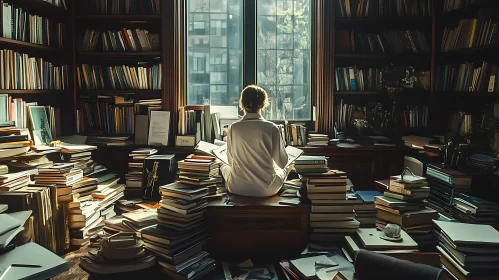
[253,98]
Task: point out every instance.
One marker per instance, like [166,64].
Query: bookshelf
[38,51]
[369,33]
[119,22]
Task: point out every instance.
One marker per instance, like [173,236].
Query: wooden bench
[256,226]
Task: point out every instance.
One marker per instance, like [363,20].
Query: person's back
[255,150]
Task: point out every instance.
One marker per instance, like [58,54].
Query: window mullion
[249,43]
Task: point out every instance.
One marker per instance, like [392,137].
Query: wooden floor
[74,272]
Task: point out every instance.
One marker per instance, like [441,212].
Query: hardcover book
[159,170]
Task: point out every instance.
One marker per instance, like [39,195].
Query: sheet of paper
[159,127]
[221,154]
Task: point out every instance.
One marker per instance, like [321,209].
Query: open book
[293,154]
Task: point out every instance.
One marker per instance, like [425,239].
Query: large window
[280,32]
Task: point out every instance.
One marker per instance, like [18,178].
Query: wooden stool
[256,226]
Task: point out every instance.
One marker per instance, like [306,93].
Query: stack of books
[14,181]
[317,139]
[179,237]
[109,193]
[444,184]
[314,165]
[139,219]
[200,171]
[85,221]
[64,176]
[371,239]
[332,214]
[118,7]
[468,251]
[76,153]
[474,210]
[409,211]
[113,141]
[135,168]
[365,212]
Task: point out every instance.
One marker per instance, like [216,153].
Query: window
[281,34]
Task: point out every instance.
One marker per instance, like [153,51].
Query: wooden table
[256,226]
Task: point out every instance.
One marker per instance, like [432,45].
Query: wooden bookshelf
[106,55]
[468,9]
[121,18]
[383,20]
[357,93]
[471,51]
[383,56]
[34,49]
[34,91]
[42,7]
[111,92]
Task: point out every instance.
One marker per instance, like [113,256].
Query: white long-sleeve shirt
[256,155]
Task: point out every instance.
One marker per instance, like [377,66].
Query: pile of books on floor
[444,185]
[75,153]
[139,219]
[178,238]
[317,140]
[332,214]
[365,212]
[474,210]
[200,171]
[468,251]
[64,176]
[404,204]
[135,169]
[371,239]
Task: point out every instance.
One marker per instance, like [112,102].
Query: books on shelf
[357,79]
[372,8]
[106,118]
[344,114]
[471,32]
[135,168]
[57,3]
[119,7]
[416,117]
[124,40]
[22,26]
[143,76]
[406,41]
[20,71]
[474,77]
[451,5]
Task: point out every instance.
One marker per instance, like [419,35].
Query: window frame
[249,51]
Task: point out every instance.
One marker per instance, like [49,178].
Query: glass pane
[283,60]
[214,49]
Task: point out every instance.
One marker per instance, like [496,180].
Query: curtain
[323,68]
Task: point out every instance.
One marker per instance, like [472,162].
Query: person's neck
[259,112]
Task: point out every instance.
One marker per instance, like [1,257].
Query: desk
[248,225]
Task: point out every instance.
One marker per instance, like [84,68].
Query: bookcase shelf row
[382,20]
[122,18]
[30,47]
[378,56]
[477,4]
[106,55]
[471,51]
[34,91]
[467,93]
[357,93]
[41,7]
[111,92]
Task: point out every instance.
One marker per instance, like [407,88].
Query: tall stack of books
[474,210]
[404,204]
[317,139]
[135,168]
[332,214]
[365,212]
[200,171]
[468,251]
[179,237]
[444,184]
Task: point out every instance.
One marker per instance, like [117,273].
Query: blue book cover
[367,196]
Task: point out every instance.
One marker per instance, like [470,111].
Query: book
[306,267]
[409,219]
[158,170]
[370,238]
[462,234]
